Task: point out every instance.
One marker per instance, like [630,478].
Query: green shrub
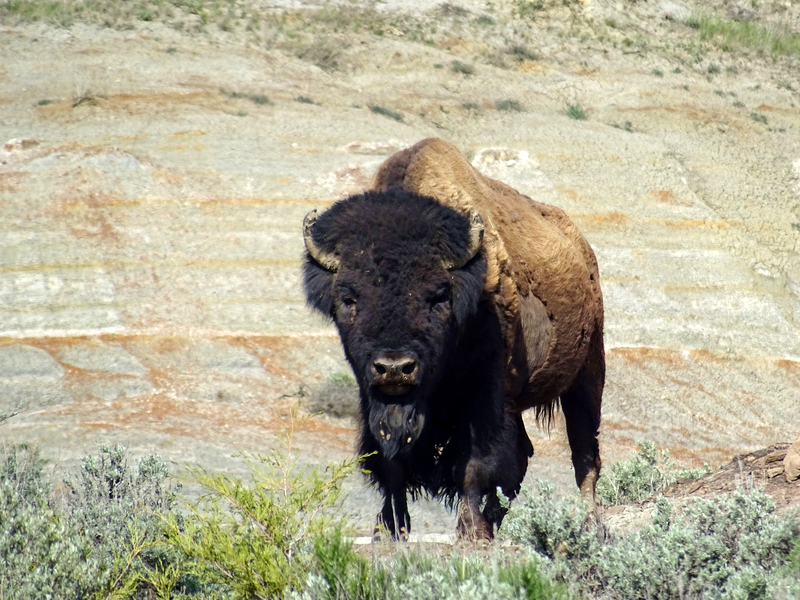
[258,540]
[41,556]
[336,396]
[734,546]
[646,474]
[529,8]
[460,67]
[116,508]
[509,106]
[727,547]
[380,110]
[575,111]
[549,526]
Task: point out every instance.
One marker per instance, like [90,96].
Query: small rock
[791,464]
[775,456]
[673,11]
[19,144]
[774,471]
[742,14]
[379,148]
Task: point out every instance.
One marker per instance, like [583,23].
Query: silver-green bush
[734,546]
[646,474]
[42,556]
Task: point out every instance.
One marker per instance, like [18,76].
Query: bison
[460,303]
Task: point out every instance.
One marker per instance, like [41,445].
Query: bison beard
[404,279]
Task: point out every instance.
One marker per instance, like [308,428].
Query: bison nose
[395,369]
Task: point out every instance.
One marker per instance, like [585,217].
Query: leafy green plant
[258,539]
[575,111]
[644,475]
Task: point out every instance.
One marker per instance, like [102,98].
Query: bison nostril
[410,367]
[379,368]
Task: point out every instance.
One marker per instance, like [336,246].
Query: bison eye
[442,296]
[349,304]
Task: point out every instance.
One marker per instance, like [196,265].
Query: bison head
[400,275]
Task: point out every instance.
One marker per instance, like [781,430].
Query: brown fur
[542,272]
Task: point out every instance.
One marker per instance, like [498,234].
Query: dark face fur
[397,306]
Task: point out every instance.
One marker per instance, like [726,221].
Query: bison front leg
[394,518]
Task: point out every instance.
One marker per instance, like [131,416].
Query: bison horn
[475,242]
[329,260]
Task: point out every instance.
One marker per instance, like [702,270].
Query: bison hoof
[472,527]
[382,532]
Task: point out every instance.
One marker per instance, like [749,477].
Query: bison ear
[329,260]
[476,230]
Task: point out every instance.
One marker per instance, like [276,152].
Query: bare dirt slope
[150,223]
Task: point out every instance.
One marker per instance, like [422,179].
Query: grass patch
[758,118]
[385,112]
[522,53]
[529,9]
[44,102]
[575,111]
[464,68]
[304,100]
[509,106]
[746,35]
[259,99]
[626,126]
[470,106]
[657,72]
